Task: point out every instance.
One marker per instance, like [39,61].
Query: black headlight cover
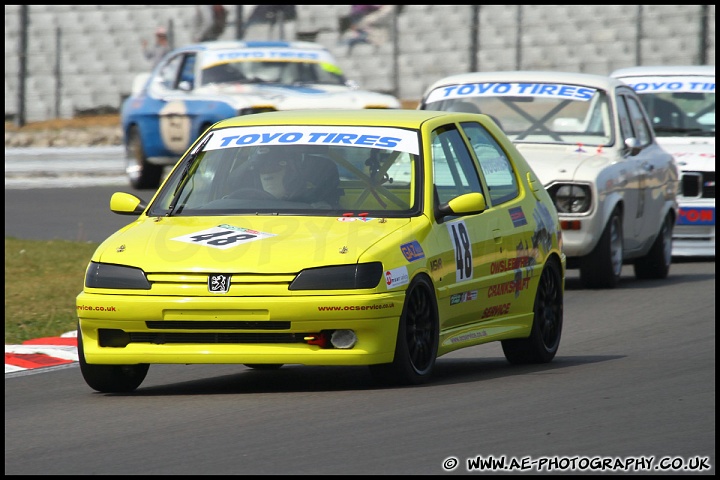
[105,275]
[571,197]
[339,277]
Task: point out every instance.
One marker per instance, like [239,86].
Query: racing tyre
[656,264]
[110,378]
[142,175]
[544,340]
[416,346]
[603,266]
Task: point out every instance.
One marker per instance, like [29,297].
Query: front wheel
[142,175]
[544,340]
[603,266]
[656,264]
[110,378]
[416,346]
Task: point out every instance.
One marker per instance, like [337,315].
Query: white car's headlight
[571,198]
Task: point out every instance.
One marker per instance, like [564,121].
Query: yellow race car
[385,238]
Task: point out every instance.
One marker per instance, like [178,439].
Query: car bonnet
[264,244]
[567,162]
[691,154]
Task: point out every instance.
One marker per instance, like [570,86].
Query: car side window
[496,167]
[624,117]
[169,72]
[187,72]
[454,171]
[642,130]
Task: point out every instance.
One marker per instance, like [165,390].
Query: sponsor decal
[517,216]
[513,286]
[211,58]
[91,308]
[355,308]
[355,219]
[395,139]
[681,155]
[496,310]
[464,337]
[463,297]
[696,216]
[661,84]
[435,264]
[412,251]
[509,264]
[547,90]
[396,277]
[223,236]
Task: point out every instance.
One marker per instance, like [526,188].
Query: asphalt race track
[632,391]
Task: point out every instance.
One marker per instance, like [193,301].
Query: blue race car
[197,85]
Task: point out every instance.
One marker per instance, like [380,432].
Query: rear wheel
[142,175]
[656,264]
[603,266]
[417,340]
[544,340]
[110,378]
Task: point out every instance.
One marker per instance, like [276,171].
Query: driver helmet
[277,168]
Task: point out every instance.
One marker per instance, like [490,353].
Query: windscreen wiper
[189,162]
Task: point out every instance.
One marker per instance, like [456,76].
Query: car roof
[660,70]
[224,44]
[403,118]
[601,82]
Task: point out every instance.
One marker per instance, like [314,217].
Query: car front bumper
[694,232]
[127,329]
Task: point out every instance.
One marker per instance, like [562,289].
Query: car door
[632,178]
[523,224]
[471,243]
[169,90]
[656,166]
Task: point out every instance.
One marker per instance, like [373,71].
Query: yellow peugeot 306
[385,238]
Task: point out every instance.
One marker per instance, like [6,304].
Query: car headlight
[105,275]
[571,198]
[340,277]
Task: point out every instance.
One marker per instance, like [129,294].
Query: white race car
[197,85]
[592,145]
[681,103]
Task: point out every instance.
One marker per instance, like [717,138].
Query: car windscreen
[534,113]
[678,105]
[288,67]
[298,170]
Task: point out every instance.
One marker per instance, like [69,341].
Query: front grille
[110,337]
[216,338]
[216,325]
[697,184]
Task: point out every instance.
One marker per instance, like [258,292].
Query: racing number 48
[463,251]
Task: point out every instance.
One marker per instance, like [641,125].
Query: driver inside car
[272,179]
[288,174]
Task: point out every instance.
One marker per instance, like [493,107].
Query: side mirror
[633,146]
[126,204]
[467,204]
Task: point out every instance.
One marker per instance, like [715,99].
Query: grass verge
[42,279]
